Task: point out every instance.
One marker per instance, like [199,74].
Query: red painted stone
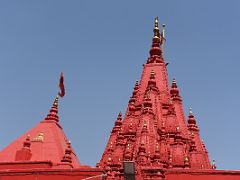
[154,132]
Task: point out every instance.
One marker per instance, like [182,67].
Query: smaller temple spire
[174,90]
[191,118]
[24,154]
[118,122]
[192,125]
[67,156]
[53,113]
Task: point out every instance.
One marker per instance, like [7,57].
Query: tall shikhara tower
[154,133]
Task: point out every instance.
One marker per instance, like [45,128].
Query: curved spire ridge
[53,113]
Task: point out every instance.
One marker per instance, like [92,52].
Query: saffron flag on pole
[61,93]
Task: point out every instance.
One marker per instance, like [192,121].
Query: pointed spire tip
[156,29]
[56,101]
[190,111]
[174,81]
[156,22]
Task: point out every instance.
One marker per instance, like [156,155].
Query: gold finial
[190,111]
[156,29]
[174,81]
[156,23]
[56,101]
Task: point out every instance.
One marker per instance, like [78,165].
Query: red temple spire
[154,132]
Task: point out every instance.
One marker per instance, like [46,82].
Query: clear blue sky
[101,46]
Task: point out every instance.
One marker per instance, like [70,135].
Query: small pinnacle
[56,101]
[156,29]
[190,111]
[156,23]
[174,81]
[119,116]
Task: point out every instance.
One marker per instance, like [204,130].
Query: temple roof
[46,142]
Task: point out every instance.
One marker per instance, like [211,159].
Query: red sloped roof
[48,142]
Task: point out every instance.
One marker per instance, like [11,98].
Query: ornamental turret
[24,154]
[67,158]
[53,113]
[156,52]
